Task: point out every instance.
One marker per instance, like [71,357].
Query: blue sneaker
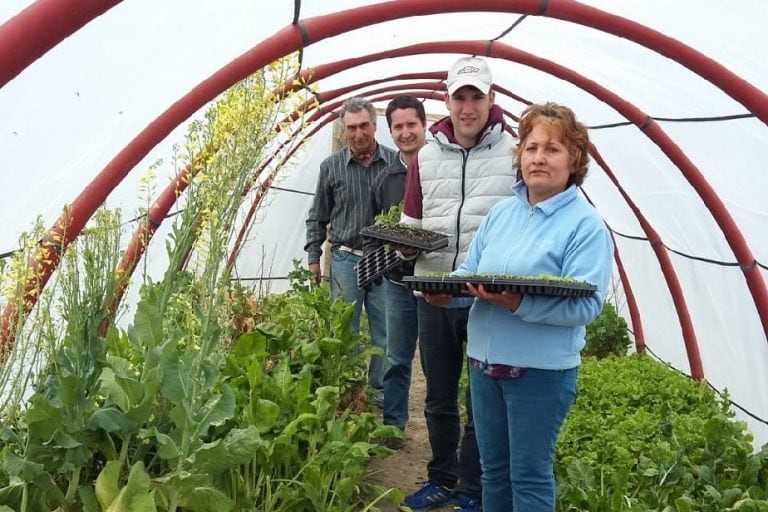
[469,504]
[428,497]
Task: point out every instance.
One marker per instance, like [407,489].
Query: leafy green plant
[642,437]
[390,216]
[172,414]
[607,335]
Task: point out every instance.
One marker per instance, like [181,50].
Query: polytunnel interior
[677,115]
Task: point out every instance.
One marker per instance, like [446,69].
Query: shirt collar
[376,154]
[551,205]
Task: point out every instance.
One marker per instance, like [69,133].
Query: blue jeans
[402,331]
[517,422]
[343,280]
[442,335]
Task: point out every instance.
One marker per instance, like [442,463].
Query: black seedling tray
[405,235]
[455,285]
[374,264]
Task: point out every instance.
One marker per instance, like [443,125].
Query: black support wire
[131,221]
[688,256]
[717,391]
[511,28]
[708,119]
[292,190]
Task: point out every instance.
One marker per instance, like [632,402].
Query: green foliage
[154,422]
[642,437]
[172,413]
[301,278]
[607,335]
[389,217]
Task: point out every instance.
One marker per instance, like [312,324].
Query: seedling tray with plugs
[374,264]
[405,235]
[456,285]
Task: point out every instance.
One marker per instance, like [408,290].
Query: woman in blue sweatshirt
[524,350]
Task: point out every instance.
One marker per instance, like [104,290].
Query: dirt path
[406,469]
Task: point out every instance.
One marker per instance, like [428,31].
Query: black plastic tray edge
[370,231]
[455,284]
[365,276]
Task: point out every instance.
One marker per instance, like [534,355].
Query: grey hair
[358,104]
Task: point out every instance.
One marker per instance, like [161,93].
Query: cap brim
[477,84]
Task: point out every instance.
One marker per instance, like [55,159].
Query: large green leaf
[283,378]
[12,493]
[87,495]
[113,390]
[180,416]
[250,344]
[107,483]
[310,351]
[22,468]
[167,447]
[237,448]
[43,418]
[125,391]
[272,330]
[135,496]
[173,379]
[64,440]
[148,324]
[144,502]
[69,390]
[216,410]
[303,419]
[265,413]
[8,435]
[330,346]
[255,373]
[326,399]
[206,499]
[111,419]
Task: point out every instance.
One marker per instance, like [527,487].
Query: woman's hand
[505,299]
[437,299]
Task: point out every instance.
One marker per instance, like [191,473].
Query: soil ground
[406,469]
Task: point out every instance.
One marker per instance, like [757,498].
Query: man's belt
[356,252]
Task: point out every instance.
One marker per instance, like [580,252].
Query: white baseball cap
[469,71]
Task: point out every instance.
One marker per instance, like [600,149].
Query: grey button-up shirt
[342,200]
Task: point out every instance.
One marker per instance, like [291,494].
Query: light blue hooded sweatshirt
[562,236]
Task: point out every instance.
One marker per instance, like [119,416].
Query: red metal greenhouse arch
[294,37]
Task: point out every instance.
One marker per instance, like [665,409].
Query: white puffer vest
[458,187]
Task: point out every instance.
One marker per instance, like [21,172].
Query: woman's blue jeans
[517,422]
[343,280]
[402,331]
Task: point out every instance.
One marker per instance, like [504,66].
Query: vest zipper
[464,158]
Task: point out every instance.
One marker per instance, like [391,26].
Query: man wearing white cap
[450,186]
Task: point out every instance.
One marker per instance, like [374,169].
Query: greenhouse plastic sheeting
[65,117]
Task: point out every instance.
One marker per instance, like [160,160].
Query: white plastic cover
[69,113]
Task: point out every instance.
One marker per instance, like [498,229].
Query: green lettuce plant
[643,437]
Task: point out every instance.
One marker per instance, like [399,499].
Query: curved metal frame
[308,31]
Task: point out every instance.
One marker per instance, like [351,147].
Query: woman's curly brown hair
[573,135]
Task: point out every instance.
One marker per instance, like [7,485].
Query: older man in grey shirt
[342,202]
